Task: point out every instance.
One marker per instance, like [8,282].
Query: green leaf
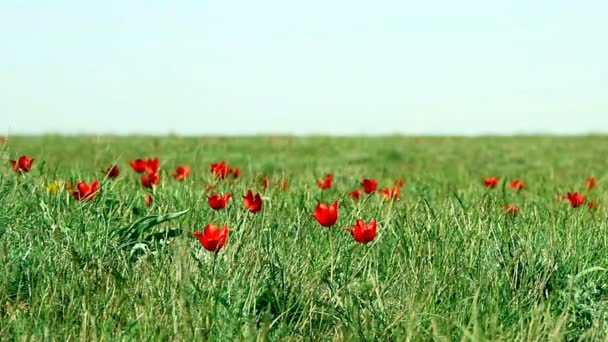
[137,229]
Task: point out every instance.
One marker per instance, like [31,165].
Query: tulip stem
[213,268]
[331,257]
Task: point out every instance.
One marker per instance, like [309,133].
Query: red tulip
[517,185]
[253,203]
[326,182]
[148,200]
[490,182]
[363,232]
[181,172]
[369,185]
[399,182]
[236,172]
[591,183]
[512,209]
[85,191]
[265,182]
[212,238]
[284,184]
[355,194]
[150,180]
[326,215]
[217,201]
[391,193]
[592,204]
[220,169]
[22,164]
[149,165]
[112,172]
[576,199]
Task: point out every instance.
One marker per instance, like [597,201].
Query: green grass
[447,263]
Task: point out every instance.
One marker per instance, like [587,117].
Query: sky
[343,67]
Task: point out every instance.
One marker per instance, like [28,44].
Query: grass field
[447,263]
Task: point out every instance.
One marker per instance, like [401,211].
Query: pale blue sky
[316,66]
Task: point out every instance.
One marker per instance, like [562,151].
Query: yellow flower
[53,187]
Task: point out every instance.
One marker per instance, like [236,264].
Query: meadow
[447,263]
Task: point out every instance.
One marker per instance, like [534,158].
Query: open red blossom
[112,172]
[326,215]
[217,201]
[512,209]
[326,182]
[85,191]
[149,165]
[148,200]
[220,169]
[364,232]
[22,164]
[369,185]
[150,180]
[399,182]
[591,183]
[181,172]
[517,185]
[212,237]
[391,193]
[575,199]
[355,194]
[252,203]
[490,182]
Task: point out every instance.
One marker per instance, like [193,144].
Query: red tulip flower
[592,204]
[355,194]
[517,185]
[265,182]
[181,172]
[236,172]
[490,182]
[22,164]
[112,172]
[399,182]
[212,237]
[326,182]
[326,215]
[150,180]
[512,209]
[217,201]
[85,191]
[148,200]
[591,183]
[369,185]
[220,169]
[284,184]
[576,199]
[364,232]
[149,165]
[391,193]
[252,203]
